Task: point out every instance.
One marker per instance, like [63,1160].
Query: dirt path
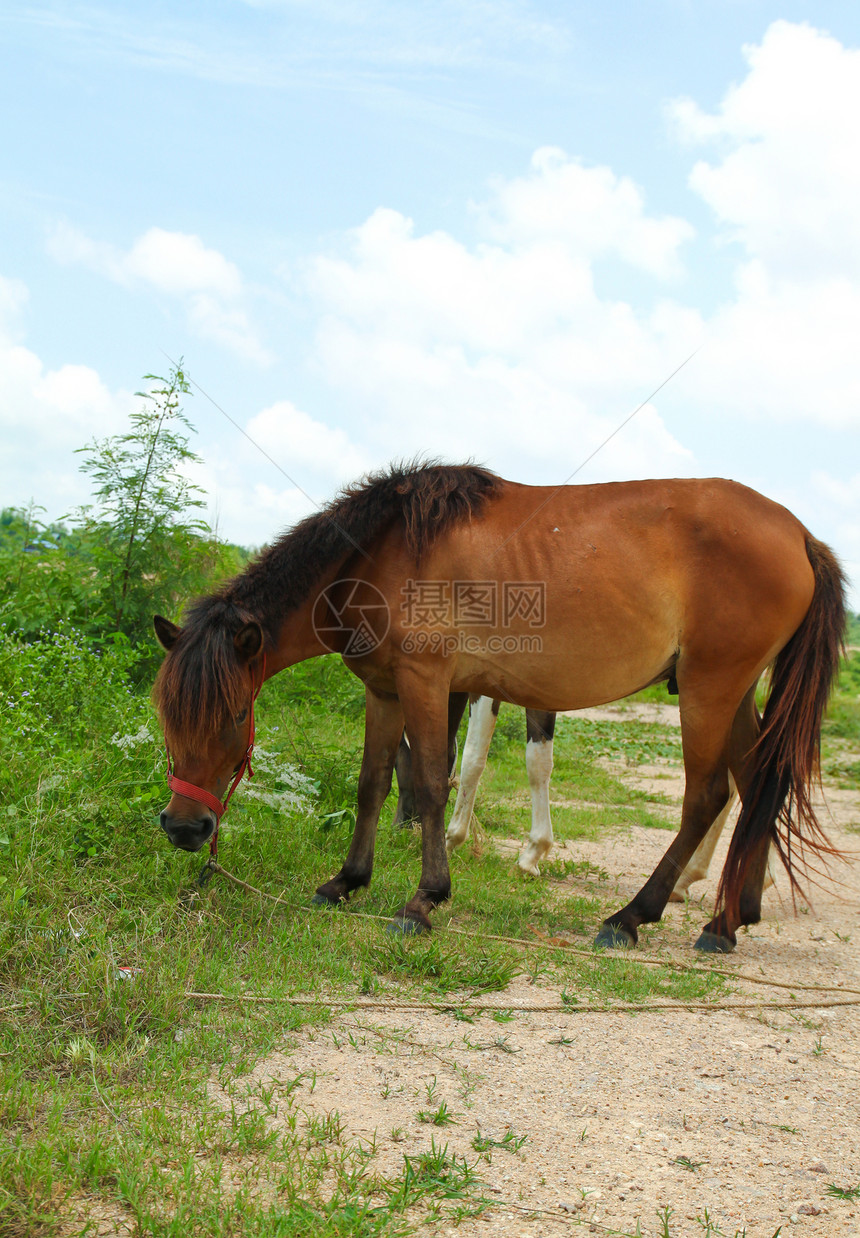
[740,1118]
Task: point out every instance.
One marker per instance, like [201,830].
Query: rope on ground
[549,943]
[357,1003]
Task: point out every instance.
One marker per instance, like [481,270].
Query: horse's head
[205,694]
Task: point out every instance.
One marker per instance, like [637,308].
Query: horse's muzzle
[188,835]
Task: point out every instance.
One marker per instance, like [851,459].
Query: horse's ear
[167,632]
[248,641]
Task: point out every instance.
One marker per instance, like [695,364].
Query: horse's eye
[241,718]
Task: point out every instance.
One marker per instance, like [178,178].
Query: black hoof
[612,937]
[320,900]
[712,943]
[400,927]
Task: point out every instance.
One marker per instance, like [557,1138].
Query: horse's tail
[777,805]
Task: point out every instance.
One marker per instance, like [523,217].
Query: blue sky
[468,229]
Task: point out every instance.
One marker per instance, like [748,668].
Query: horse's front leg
[383,729]
[425,705]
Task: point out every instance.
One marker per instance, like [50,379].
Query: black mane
[427,498]
[201,683]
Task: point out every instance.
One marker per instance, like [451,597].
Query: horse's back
[594,591]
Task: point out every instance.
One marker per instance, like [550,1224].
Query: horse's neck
[297,639]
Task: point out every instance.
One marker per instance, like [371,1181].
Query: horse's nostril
[163,820]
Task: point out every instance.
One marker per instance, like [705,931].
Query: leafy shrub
[80,742]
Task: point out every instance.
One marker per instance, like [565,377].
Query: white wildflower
[283,801]
[287,788]
[127,742]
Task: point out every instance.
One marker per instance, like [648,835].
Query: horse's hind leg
[540,727]
[425,706]
[482,722]
[406,813]
[700,862]
[705,731]
[718,936]
[383,730]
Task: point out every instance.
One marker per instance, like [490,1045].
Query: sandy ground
[741,1118]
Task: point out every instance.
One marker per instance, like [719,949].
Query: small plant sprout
[664,1216]
[508,1143]
[326,1129]
[846,1193]
[503,1043]
[686,1163]
[438,1117]
[710,1227]
[79,1052]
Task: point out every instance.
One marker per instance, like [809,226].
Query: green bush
[80,742]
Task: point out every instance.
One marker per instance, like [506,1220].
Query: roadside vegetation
[108,1106]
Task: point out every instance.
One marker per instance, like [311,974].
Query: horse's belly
[572,677]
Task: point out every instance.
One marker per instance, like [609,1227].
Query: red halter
[200,794]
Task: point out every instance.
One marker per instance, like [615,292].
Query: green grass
[106,1075]
[841,731]
[612,978]
[587,796]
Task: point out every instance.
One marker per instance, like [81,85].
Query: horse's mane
[202,684]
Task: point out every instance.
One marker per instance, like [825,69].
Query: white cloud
[591,212]
[45,415]
[176,264]
[306,448]
[785,350]
[788,185]
[508,348]
[504,351]
[315,459]
[227,325]
[785,190]
[250,514]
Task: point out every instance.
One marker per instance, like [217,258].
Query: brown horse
[434,581]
